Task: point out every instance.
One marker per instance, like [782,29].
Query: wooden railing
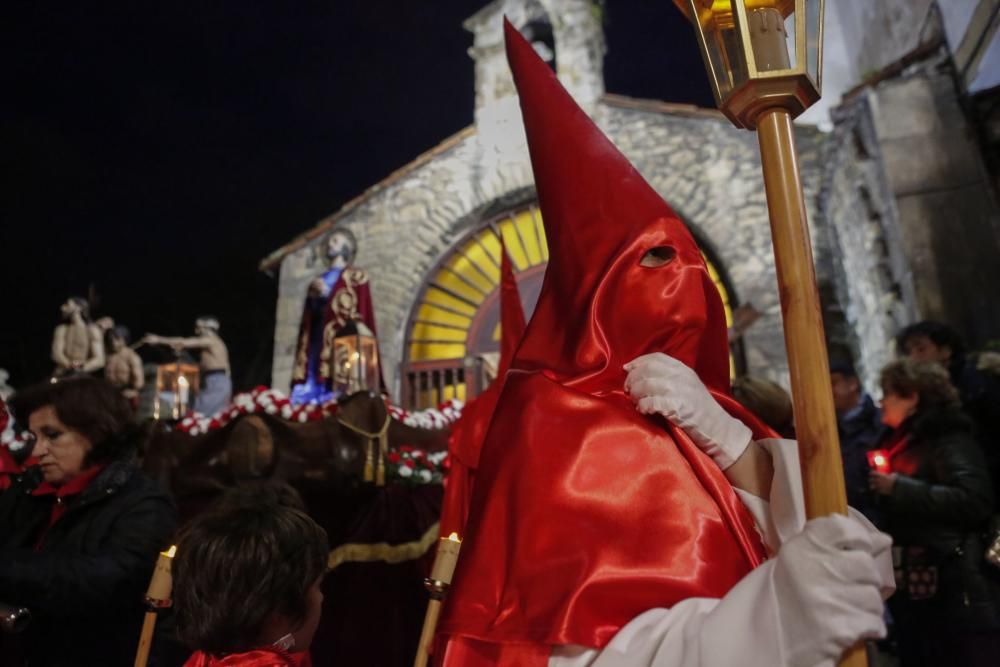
[427,384]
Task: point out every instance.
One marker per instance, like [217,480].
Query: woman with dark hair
[935,502]
[978,388]
[80,532]
[247,584]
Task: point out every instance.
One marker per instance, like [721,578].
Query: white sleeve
[784,513]
[740,630]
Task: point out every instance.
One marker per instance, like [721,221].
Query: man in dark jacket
[79,537]
[859,422]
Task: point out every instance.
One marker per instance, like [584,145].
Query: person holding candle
[246,583]
[80,532]
[627,512]
[934,500]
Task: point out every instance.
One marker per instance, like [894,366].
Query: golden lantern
[760,54]
[355,360]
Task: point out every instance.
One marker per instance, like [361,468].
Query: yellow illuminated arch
[440,327]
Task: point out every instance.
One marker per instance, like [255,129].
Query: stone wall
[872,279]
[947,211]
[881,32]
[706,169]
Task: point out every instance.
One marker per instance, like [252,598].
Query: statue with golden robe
[335,299]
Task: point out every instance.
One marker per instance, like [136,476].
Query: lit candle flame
[454,537]
[171,552]
[182,381]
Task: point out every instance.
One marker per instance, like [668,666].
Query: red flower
[393,457]
[409,463]
[407,449]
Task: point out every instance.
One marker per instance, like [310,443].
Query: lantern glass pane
[794,57]
[369,363]
[722,44]
[814,37]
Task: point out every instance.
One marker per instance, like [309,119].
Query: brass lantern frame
[794,89]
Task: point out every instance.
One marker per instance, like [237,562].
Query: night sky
[155,152]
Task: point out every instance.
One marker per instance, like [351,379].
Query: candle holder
[437,585]
[158,596]
[438,589]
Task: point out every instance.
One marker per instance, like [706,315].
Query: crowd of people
[924,465]
[81,529]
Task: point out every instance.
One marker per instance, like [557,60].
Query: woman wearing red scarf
[80,532]
[619,516]
[247,585]
[935,502]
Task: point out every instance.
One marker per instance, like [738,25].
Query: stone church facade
[428,232]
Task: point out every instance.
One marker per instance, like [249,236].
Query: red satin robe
[264,657]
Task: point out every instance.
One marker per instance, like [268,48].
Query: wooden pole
[145,639]
[812,397]
[427,634]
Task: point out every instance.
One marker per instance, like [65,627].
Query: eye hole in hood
[657,257]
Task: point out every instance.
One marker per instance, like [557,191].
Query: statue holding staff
[216,383]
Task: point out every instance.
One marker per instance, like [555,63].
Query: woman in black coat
[935,502]
[80,533]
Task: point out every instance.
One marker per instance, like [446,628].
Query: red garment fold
[468,434]
[264,657]
[585,513]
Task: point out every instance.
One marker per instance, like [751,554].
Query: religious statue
[216,384]
[123,367]
[77,346]
[339,296]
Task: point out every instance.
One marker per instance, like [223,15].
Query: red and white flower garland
[408,464]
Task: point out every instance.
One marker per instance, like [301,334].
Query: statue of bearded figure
[336,297]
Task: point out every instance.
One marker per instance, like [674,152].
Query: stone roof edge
[272,260]
[656,106]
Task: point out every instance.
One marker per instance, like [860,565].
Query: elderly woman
[79,533]
[247,582]
[935,501]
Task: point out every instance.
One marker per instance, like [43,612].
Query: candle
[183,391]
[161,584]
[878,459]
[446,559]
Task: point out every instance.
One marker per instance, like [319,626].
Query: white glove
[827,589]
[663,385]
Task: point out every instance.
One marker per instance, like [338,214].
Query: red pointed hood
[598,308]
[512,323]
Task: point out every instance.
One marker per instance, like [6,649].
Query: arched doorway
[453,335]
